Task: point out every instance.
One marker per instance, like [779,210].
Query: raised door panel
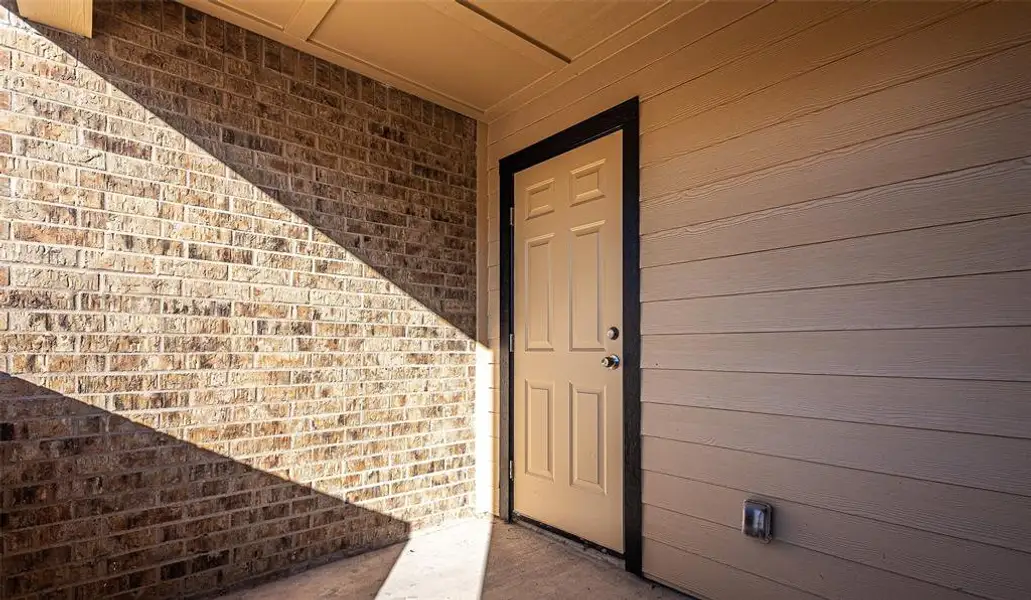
[540,431]
[586,288]
[540,199]
[588,450]
[539,295]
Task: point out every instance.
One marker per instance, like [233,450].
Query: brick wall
[237,291]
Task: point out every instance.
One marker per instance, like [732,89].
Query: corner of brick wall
[237,308]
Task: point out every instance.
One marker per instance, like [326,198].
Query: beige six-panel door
[568,409]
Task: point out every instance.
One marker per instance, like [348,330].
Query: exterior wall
[836,295]
[238,308]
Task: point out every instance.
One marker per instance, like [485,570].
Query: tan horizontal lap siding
[836,282]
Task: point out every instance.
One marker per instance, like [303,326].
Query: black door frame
[624,117]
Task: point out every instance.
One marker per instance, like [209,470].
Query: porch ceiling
[466,55]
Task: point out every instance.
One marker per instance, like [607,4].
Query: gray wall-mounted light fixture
[757,521]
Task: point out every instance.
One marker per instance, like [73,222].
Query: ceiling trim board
[220,4]
[627,26]
[501,25]
[477,22]
[75,16]
[345,60]
[663,16]
[308,17]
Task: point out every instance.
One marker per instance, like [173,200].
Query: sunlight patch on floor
[450,563]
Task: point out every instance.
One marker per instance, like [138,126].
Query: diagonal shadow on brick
[93,505]
[249,259]
[384,175]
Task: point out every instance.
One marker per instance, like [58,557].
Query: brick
[222,275]
[145,245]
[13,123]
[55,280]
[109,261]
[132,284]
[41,191]
[100,141]
[119,185]
[42,149]
[142,132]
[220,254]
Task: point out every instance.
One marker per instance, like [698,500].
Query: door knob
[610,362]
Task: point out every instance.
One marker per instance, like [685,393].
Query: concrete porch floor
[478,558]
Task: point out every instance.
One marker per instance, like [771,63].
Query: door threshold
[588,547]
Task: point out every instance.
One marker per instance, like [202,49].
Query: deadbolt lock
[610,362]
[612,333]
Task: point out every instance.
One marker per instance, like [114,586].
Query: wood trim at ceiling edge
[462,13]
[308,17]
[344,60]
[74,16]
